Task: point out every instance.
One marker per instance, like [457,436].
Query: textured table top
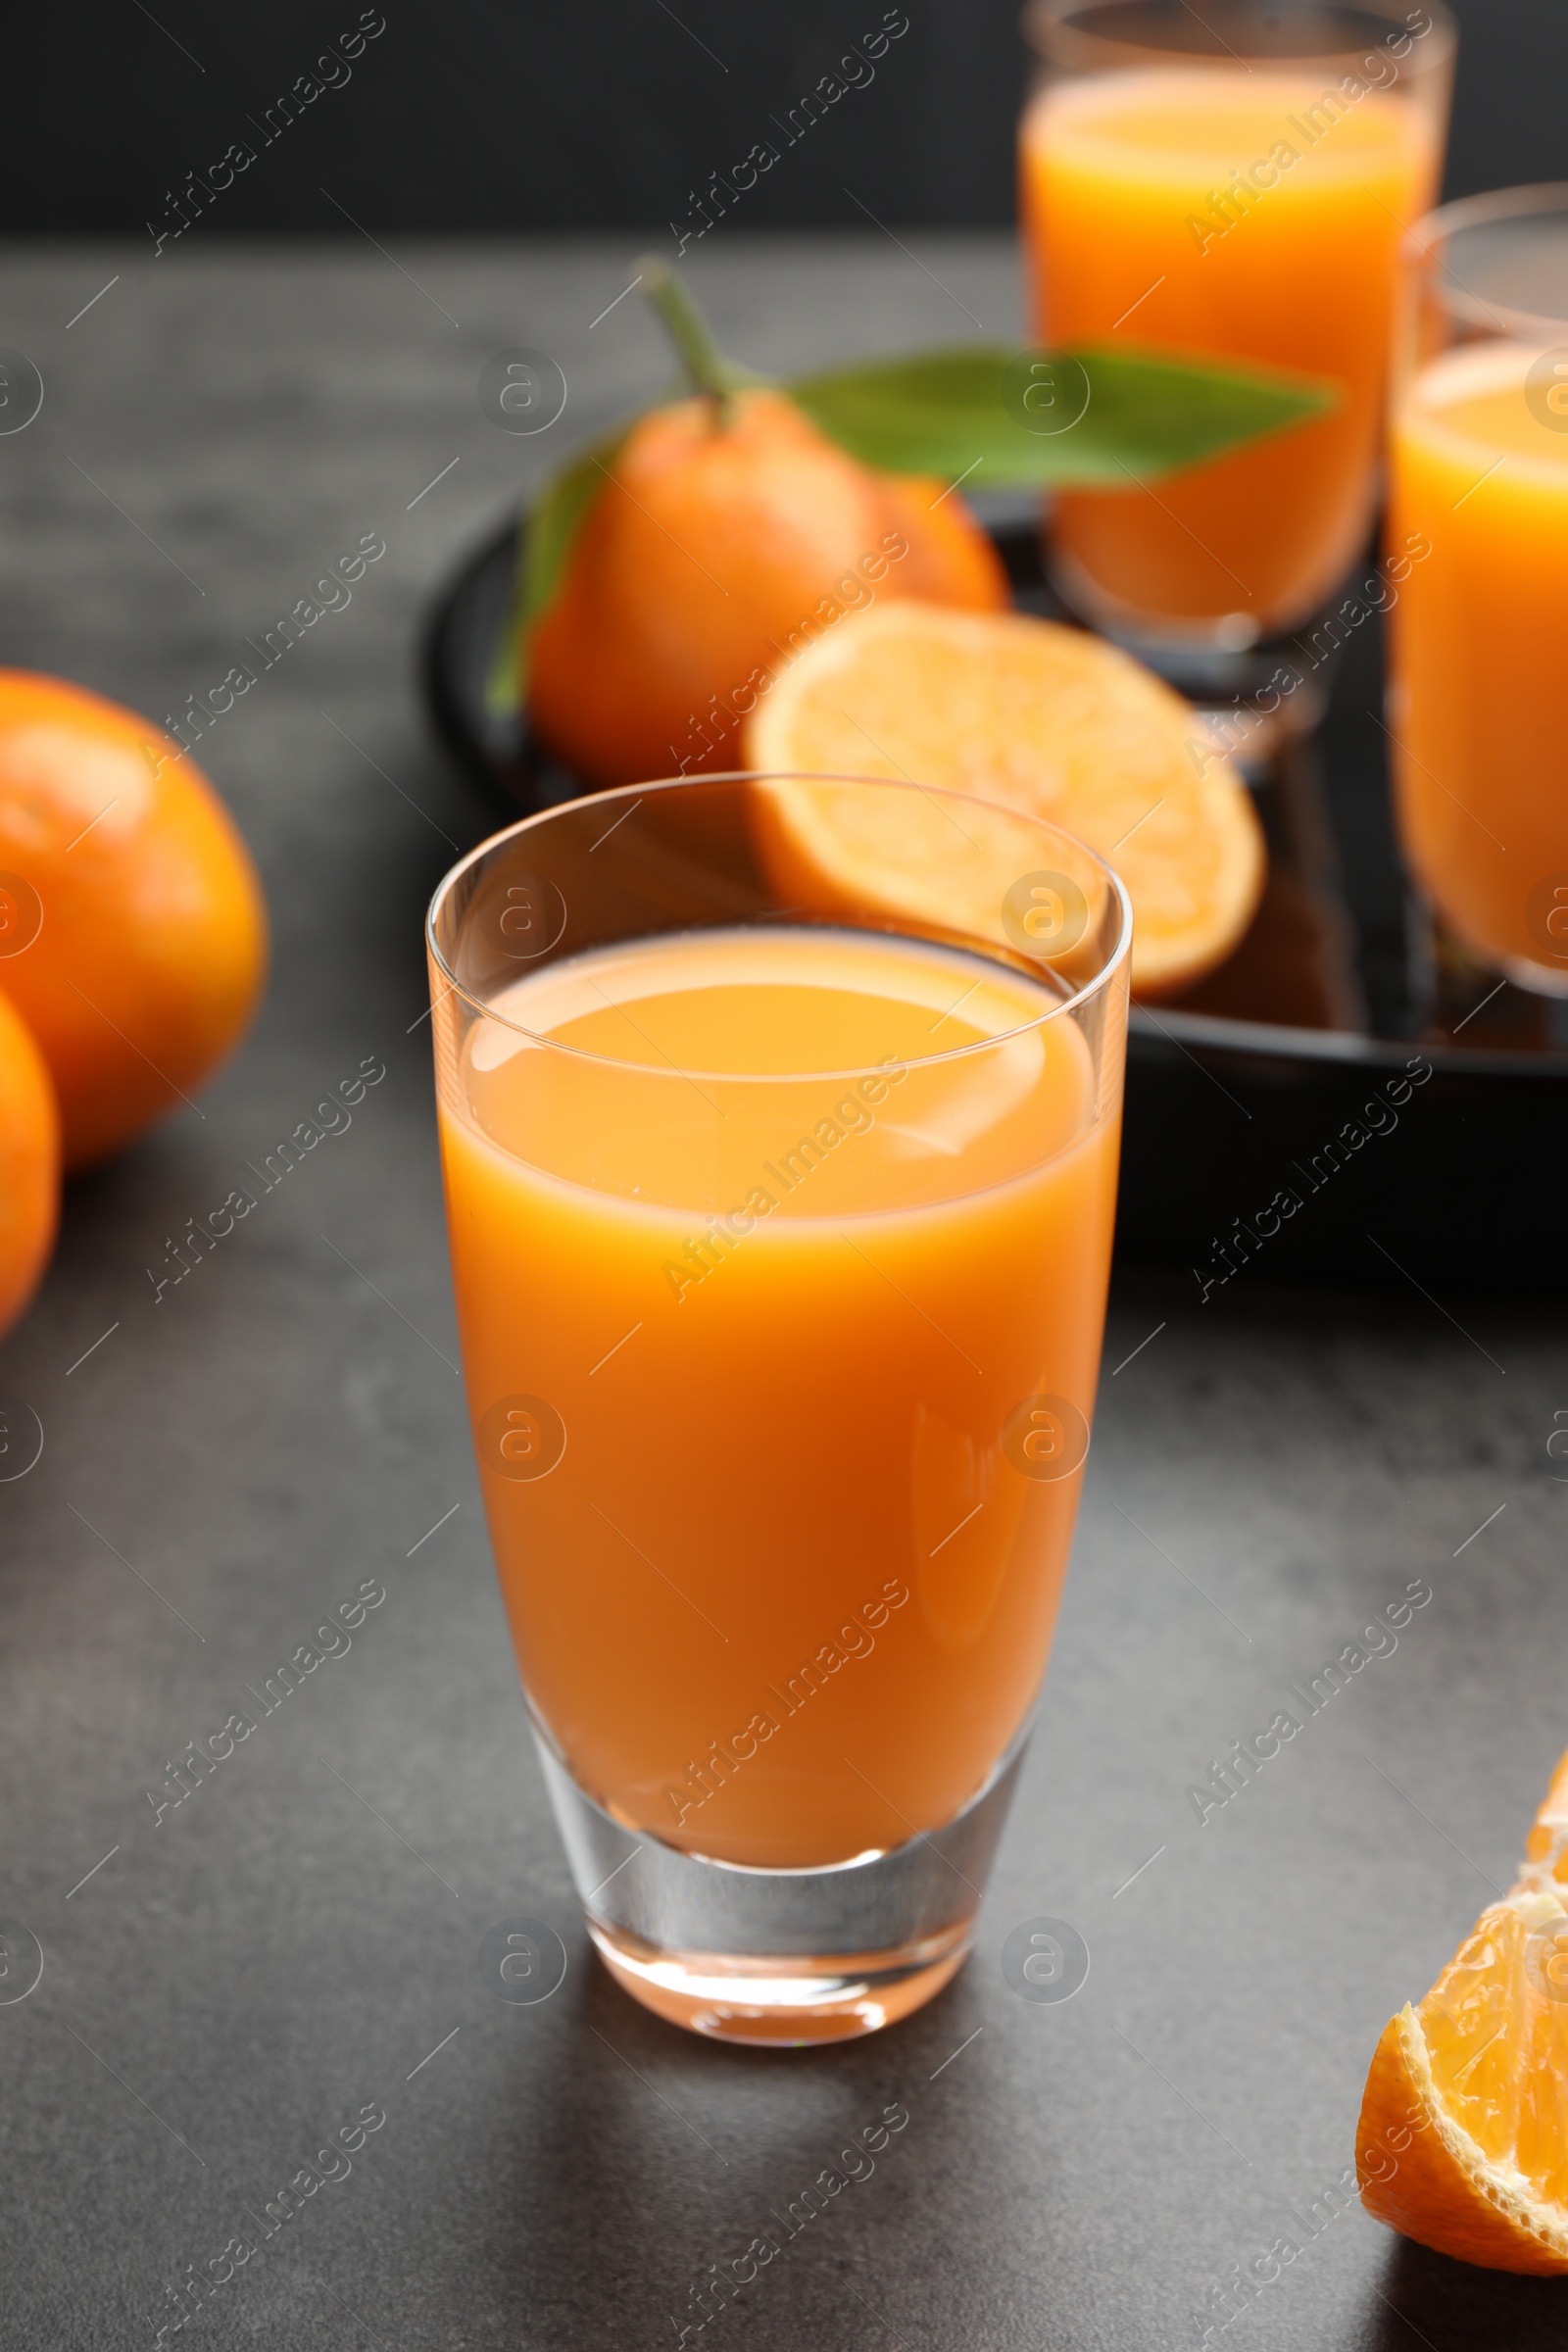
[294,1946]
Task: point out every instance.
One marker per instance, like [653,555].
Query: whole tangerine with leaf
[725,529]
[671,570]
[133,929]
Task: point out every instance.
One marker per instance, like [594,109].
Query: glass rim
[1048,34]
[1074,1000]
[1432,232]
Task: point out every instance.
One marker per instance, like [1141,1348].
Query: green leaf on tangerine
[544,540]
[995,415]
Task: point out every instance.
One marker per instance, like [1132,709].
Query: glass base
[1228,666]
[1540,979]
[783,2003]
[1455,977]
[781,1957]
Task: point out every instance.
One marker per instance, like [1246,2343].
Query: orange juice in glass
[780,1250]
[1234,182]
[1480,487]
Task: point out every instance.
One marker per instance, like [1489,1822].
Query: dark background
[606,113]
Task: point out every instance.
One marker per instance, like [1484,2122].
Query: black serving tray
[1348,1098]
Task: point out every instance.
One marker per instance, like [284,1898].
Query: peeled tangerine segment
[1028,715]
[1463,2138]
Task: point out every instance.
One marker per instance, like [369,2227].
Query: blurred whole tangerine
[29,1165]
[133,927]
[728,535]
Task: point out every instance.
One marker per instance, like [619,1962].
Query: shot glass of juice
[1479,495]
[780,1208]
[1229,182]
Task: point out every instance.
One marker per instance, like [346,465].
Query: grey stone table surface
[295,1945]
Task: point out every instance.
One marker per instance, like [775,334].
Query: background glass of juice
[1478,537]
[780,1216]
[1230,181]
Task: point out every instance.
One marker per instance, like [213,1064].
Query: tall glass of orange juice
[1232,180]
[1479,477]
[780,1152]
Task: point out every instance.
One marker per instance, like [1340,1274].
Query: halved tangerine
[1042,719]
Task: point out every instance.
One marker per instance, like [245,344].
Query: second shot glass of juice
[1230,182]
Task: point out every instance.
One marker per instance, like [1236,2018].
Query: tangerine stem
[706,365]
